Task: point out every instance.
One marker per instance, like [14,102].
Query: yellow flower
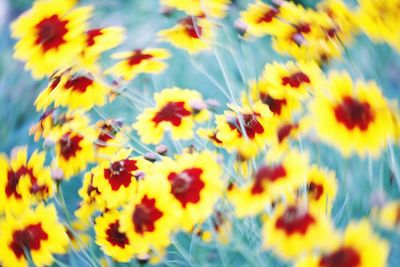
[271,181]
[37,231]
[74,151]
[359,247]
[389,215]
[212,8]
[149,60]
[150,217]
[114,242]
[117,180]
[175,111]
[194,34]
[23,181]
[355,118]
[50,36]
[294,230]
[99,40]
[246,129]
[111,136]
[194,182]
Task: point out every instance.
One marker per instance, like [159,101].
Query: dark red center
[115,237]
[249,123]
[91,35]
[295,220]
[353,113]
[51,32]
[343,257]
[78,83]
[269,15]
[275,105]
[191,27]
[315,191]
[172,112]
[145,215]
[69,146]
[285,130]
[107,132]
[267,173]
[296,79]
[29,238]
[120,173]
[137,57]
[187,185]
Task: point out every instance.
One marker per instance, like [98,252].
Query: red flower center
[91,34]
[137,57]
[249,123]
[69,146]
[191,27]
[353,113]
[315,191]
[78,83]
[145,215]
[115,237]
[29,238]
[120,173]
[172,112]
[343,257]
[269,15]
[51,32]
[285,130]
[296,79]
[186,186]
[267,173]
[275,105]
[298,34]
[295,220]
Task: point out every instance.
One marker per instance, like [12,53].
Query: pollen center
[353,113]
[120,173]
[69,146]
[51,32]
[145,215]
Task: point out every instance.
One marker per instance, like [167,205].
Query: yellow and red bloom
[212,8]
[74,151]
[271,181]
[246,129]
[117,180]
[389,215]
[195,183]
[138,61]
[50,36]
[36,231]
[114,242]
[175,111]
[111,136]
[355,118]
[193,34]
[23,181]
[151,216]
[295,230]
[359,247]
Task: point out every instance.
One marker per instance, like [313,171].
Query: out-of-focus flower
[355,118]
[212,8]
[149,60]
[173,112]
[111,137]
[389,215]
[195,183]
[36,232]
[194,34]
[359,246]
[50,36]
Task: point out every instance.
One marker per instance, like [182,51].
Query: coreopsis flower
[23,181]
[151,216]
[212,8]
[138,61]
[74,90]
[74,151]
[99,40]
[246,129]
[379,20]
[210,135]
[111,136]
[271,181]
[114,242]
[51,35]
[36,232]
[195,183]
[389,215]
[358,247]
[319,191]
[193,34]
[355,118]
[294,230]
[175,111]
[44,99]
[117,179]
